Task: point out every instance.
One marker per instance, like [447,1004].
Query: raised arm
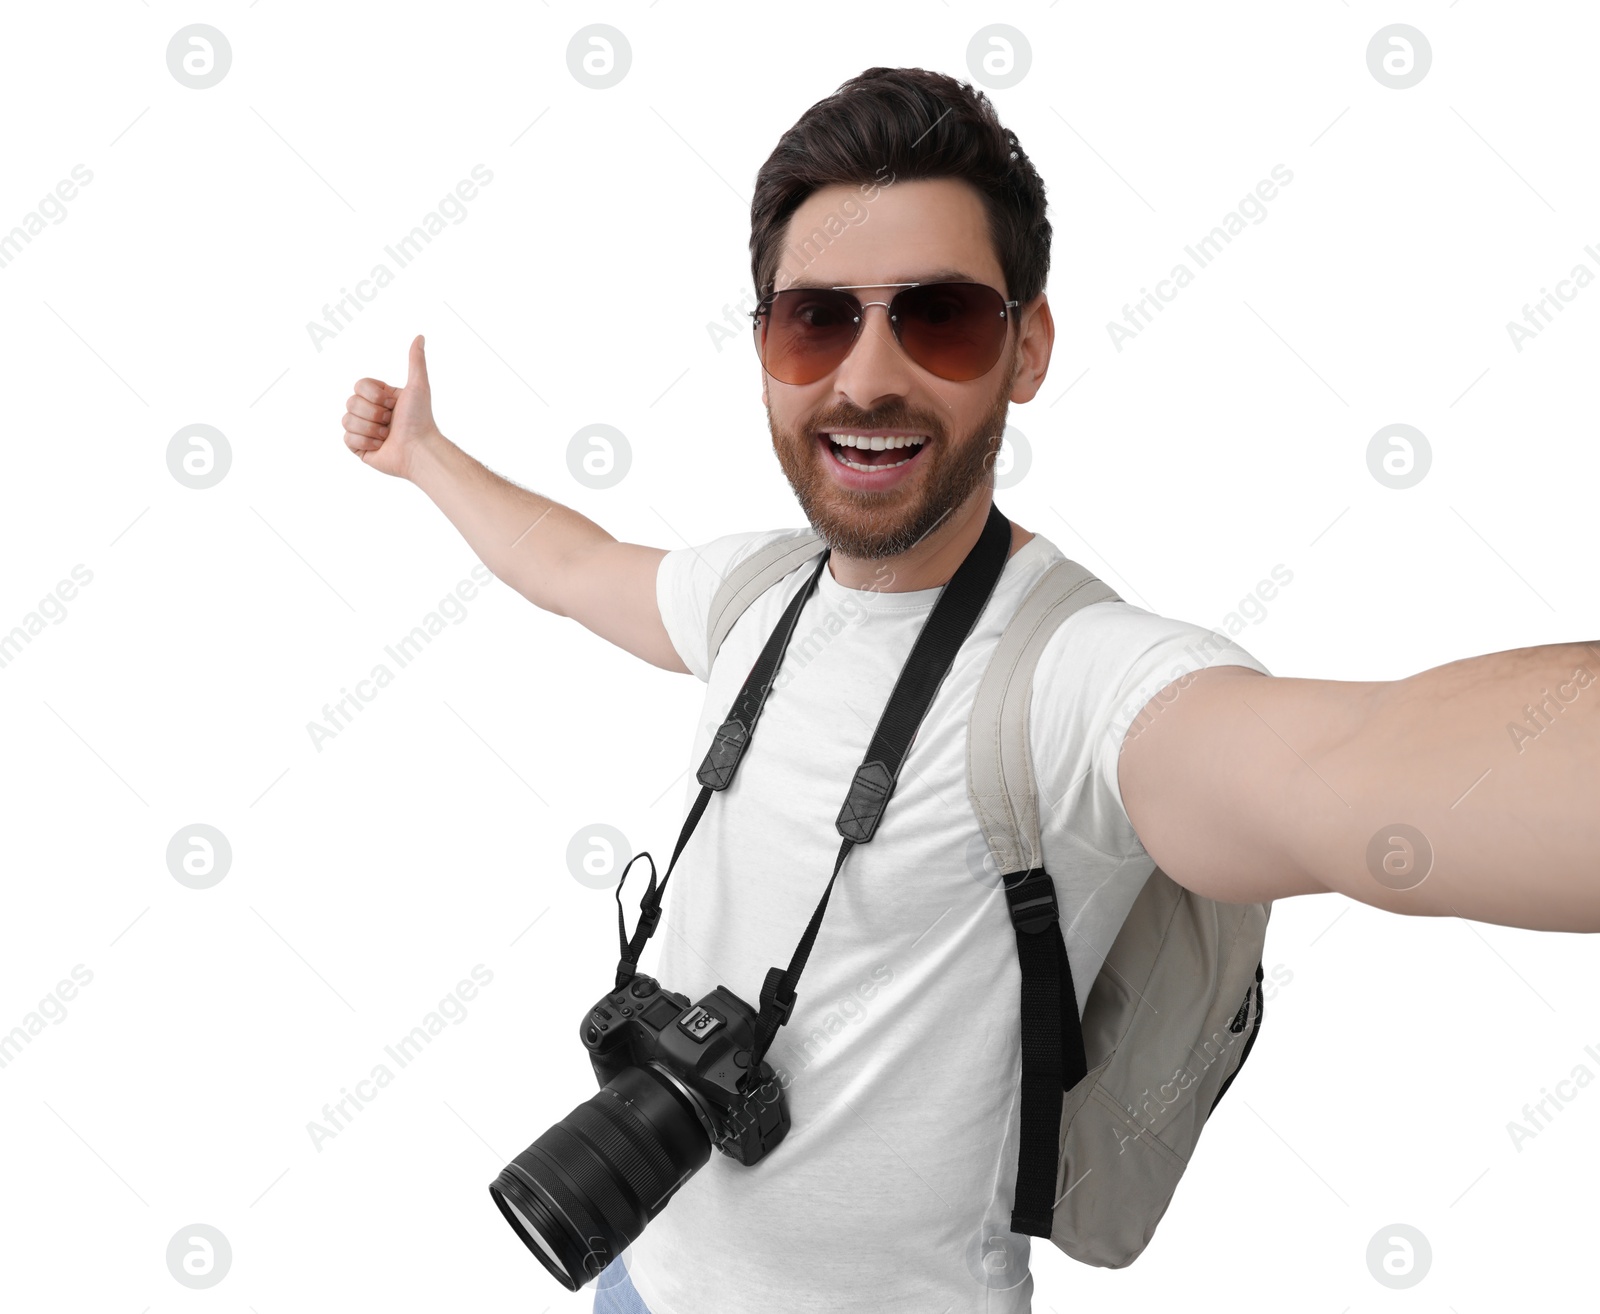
[555,557]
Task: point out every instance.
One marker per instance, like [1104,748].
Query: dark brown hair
[889,125]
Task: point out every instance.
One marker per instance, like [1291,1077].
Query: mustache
[893,420]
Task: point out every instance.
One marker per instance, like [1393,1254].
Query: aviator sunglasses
[952,330]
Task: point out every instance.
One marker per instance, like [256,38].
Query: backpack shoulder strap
[1000,775]
[1000,781]
[750,578]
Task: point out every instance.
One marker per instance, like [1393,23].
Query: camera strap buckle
[777,998]
[649,916]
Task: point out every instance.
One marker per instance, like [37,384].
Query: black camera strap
[960,603]
[715,773]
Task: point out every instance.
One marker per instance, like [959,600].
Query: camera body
[702,1051]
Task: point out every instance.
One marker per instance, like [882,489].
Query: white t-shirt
[892,1191]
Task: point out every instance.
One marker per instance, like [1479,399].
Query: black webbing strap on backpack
[1053,1058]
[959,604]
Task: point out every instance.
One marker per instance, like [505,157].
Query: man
[1155,742]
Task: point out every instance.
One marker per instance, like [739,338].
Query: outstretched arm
[1471,789]
[555,557]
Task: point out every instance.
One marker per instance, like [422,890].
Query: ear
[1033,352]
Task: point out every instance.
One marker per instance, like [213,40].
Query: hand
[386,426]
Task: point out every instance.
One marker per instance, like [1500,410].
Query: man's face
[912,230]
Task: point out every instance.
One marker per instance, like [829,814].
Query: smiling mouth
[857,454]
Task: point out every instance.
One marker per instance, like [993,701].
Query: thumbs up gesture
[385,426]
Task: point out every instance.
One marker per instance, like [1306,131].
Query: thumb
[417,367]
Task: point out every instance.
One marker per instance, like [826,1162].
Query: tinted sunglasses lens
[806,333]
[954,330]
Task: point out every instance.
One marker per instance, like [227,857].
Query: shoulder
[1096,676]
[1110,658]
[687,580]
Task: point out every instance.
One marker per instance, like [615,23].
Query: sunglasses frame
[764,306]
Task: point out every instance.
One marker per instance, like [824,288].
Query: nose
[876,367]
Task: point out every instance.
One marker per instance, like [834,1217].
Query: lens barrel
[581,1193]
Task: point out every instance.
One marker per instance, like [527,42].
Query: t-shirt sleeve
[1094,678]
[687,580]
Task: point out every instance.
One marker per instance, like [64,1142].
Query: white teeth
[875,444]
[856,465]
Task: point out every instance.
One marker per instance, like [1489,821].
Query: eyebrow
[932,276]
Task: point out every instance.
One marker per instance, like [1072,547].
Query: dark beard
[871,526]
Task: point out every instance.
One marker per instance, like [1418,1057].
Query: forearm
[1495,761]
[522,537]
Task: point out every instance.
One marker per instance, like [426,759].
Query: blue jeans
[614,1293]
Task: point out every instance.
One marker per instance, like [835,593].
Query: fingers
[363,409]
[359,444]
[370,408]
[364,428]
[377,391]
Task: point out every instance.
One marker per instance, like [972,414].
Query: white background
[369,877]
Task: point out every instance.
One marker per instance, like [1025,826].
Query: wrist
[425,457]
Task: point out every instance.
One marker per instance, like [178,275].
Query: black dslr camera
[675,1079]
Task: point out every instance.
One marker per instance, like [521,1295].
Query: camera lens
[581,1193]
